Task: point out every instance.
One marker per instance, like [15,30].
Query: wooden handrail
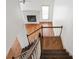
[54,27]
[45,27]
[34,31]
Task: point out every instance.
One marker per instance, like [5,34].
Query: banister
[61,30]
[45,27]
[28,52]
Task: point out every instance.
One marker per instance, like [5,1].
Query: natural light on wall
[45,12]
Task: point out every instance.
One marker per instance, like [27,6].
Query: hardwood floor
[52,43]
[32,27]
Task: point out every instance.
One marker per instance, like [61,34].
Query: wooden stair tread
[55,53]
[57,50]
[56,57]
[54,50]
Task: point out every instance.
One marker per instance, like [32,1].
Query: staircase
[53,49]
[55,54]
[51,46]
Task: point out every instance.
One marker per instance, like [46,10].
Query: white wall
[30,5]
[14,23]
[63,15]
[35,5]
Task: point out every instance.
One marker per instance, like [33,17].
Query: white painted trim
[32,23]
[45,21]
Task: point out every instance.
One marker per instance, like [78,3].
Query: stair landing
[50,43]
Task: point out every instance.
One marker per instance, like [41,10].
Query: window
[45,12]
